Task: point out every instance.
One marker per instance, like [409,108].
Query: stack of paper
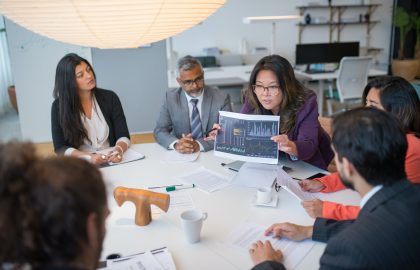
[158,259]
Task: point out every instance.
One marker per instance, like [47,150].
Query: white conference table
[226,208]
[323,77]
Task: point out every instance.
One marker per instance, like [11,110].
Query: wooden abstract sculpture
[142,200]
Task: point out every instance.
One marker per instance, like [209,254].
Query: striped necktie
[196,129]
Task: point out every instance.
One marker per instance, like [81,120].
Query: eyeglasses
[273,90]
[198,81]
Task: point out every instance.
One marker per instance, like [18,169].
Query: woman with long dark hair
[398,97]
[274,90]
[85,118]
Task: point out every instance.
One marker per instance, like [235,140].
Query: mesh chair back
[352,77]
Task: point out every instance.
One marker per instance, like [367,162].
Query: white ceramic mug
[192,221]
[264,195]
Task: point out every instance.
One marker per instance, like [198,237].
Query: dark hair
[373,141]
[398,97]
[294,93]
[44,205]
[70,108]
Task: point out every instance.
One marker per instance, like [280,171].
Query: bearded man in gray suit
[190,110]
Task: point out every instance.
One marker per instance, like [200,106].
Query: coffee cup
[264,195]
[192,222]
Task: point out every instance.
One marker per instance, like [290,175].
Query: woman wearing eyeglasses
[274,90]
[85,118]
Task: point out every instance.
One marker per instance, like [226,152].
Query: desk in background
[322,77]
[226,208]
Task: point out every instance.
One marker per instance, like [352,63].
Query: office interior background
[140,76]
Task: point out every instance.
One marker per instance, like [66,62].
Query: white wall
[225,29]
[33,60]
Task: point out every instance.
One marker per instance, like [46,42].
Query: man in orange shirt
[392,94]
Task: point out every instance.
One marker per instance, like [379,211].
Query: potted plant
[406,68]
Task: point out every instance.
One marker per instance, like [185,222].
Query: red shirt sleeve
[338,211]
[332,183]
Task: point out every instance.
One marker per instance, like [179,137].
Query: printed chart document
[255,175]
[249,232]
[129,156]
[247,137]
[158,259]
[292,186]
[206,180]
[176,157]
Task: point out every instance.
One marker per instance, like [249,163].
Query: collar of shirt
[200,101]
[369,195]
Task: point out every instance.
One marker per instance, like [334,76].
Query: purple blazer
[312,142]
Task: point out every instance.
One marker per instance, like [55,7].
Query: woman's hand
[213,133]
[285,145]
[115,156]
[98,159]
[311,185]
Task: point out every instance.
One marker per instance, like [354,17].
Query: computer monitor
[314,53]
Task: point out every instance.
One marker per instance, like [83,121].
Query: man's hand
[187,145]
[311,185]
[292,231]
[314,207]
[261,252]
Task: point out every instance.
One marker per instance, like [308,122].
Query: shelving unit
[335,22]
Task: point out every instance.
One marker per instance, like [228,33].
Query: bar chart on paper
[247,137]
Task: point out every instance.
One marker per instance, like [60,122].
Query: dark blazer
[112,110]
[312,142]
[174,118]
[386,234]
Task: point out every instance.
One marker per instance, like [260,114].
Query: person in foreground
[190,110]
[370,148]
[49,218]
[84,118]
[274,90]
[392,94]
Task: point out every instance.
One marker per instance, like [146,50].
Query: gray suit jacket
[174,118]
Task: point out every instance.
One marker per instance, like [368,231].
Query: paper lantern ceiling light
[108,23]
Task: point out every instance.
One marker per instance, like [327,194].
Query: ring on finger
[119,156]
[103,156]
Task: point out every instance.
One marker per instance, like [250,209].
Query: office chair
[351,80]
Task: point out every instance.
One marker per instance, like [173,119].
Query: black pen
[232,169]
[208,132]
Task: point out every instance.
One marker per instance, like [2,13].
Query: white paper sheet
[158,259]
[129,156]
[176,157]
[247,137]
[248,233]
[255,175]
[292,186]
[206,180]
[180,201]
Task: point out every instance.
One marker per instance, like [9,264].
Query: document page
[249,232]
[206,180]
[247,137]
[292,186]
[180,201]
[255,175]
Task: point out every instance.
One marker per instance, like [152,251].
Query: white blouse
[97,131]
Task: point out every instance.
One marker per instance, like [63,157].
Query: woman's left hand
[285,145]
